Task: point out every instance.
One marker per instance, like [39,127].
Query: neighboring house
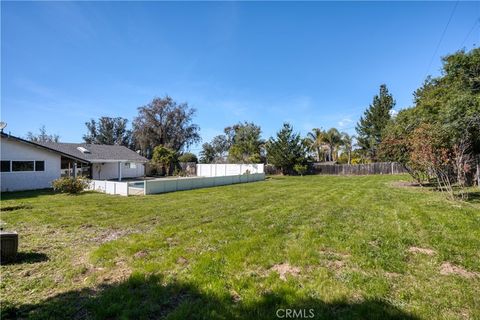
[27,165]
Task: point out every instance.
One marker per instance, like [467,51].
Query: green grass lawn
[347,247]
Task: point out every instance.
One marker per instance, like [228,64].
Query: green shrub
[301,169]
[70,185]
[188,157]
[166,158]
[178,172]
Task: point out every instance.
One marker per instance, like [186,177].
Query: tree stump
[8,246]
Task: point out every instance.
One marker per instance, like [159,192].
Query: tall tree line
[241,143]
[438,139]
[162,122]
[107,130]
[42,136]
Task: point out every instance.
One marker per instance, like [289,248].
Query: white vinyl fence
[110,187]
[221,170]
[177,184]
[208,175]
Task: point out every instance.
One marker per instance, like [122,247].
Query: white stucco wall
[28,180]
[109,170]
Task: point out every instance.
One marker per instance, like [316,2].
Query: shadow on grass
[147,297]
[15,195]
[27,258]
[26,194]
[474,197]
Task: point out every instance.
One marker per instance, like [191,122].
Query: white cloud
[344,123]
[393,113]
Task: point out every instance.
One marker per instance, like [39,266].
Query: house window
[5,166]
[39,165]
[130,165]
[22,165]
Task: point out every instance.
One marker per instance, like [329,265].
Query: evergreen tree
[371,126]
[107,130]
[246,144]
[286,150]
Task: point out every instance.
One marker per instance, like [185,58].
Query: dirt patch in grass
[333,255]
[140,254]
[284,269]
[428,252]
[119,274]
[404,184]
[111,235]
[336,265]
[235,296]
[333,260]
[392,275]
[171,242]
[447,269]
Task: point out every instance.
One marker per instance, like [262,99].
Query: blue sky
[313,64]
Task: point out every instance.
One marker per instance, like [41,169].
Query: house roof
[96,152]
[43,147]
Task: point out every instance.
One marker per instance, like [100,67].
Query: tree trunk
[478,171]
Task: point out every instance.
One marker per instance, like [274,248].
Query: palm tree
[333,139]
[315,141]
[347,142]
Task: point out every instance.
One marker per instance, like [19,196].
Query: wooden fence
[359,169]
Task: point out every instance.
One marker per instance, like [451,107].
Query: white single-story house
[27,165]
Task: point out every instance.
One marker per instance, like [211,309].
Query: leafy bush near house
[301,169]
[70,185]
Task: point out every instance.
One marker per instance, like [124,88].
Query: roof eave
[114,161]
[7,136]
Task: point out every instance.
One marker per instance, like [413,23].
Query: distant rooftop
[96,152]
